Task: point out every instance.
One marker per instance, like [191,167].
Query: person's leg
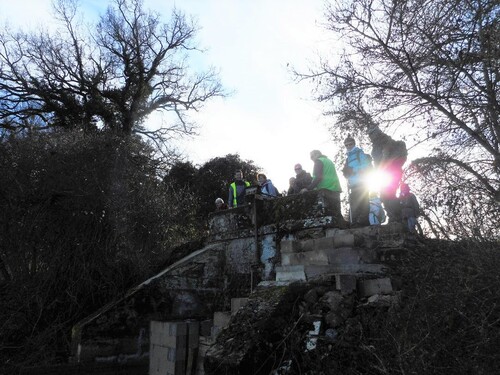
[388,195]
[391,204]
[364,207]
[334,208]
[412,222]
[360,206]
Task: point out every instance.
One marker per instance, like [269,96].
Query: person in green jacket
[325,178]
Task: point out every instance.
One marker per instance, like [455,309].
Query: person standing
[389,157]
[357,165]
[292,189]
[302,178]
[410,209]
[266,186]
[237,190]
[325,178]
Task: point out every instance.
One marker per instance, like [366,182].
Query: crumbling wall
[243,249]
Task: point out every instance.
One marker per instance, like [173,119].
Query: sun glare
[376,180]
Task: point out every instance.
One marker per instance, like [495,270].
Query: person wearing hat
[357,165]
[302,179]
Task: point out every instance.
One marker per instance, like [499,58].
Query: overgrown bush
[448,321]
[82,218]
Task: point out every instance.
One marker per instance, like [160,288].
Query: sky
[269,118]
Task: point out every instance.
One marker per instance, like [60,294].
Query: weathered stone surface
[168,347]
[290,273]
[332,300]
[384,300]
[334,319]
[241,348]
[236,257]
[221,319]
[369,287]
[268,256]
[311,296]
[206,327]
[237,303]
[345,283]
[290,246]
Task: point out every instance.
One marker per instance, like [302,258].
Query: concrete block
[344,239]
[191,359]
[332,232]
[313,271]
[360,268]
[344,255]
[221,318]
[237,303]
[345,283]
[157,360]
[324,243]
[371,287]
[206,327]
[290,273]
[271,284]
[167,334]
[308,245]
[291,246]
[193,334]
[205,344]
[305,258]
[163,360]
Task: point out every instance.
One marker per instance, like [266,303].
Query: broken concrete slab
[370,287]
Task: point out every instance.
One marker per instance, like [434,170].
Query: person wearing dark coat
[302,178]
[389,157]
[410,209]
[291,187]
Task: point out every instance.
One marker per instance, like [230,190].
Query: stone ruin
[176,321]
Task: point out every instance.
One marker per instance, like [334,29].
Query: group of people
[387,156]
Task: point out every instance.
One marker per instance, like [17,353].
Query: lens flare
[377,180]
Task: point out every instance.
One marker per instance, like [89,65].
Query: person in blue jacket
[266,186]
[357,165]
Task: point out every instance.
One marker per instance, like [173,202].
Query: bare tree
[426,68]
[112,75]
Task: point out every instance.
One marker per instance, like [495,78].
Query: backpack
[379,210]
[347,171]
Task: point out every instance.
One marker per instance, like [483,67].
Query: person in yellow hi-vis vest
[325,178]
[237,190]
